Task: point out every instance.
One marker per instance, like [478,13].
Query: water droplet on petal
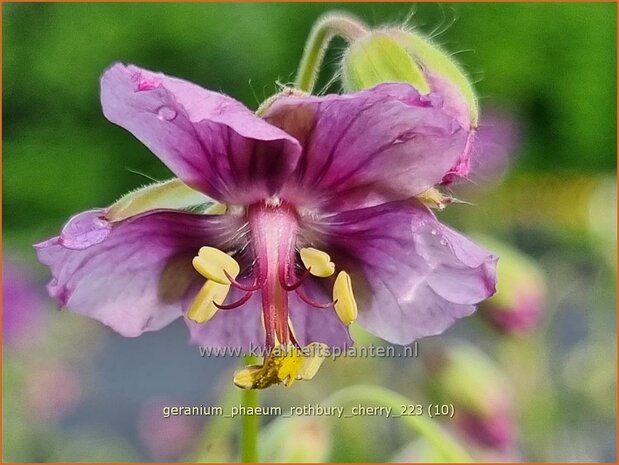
[166,113]
[84,230]
[434,232]
[443,242]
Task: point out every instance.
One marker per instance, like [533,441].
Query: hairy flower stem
[251,423]
[325,29]
[436,437]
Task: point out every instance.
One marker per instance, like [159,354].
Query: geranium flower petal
[131,275]
[210,141]
[411,275]
[386,143]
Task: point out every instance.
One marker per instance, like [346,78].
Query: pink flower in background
[52,391]
[466,378]
[520,318]
[168,438]
[495,430]
[22,304]
[496,145]
[518,305]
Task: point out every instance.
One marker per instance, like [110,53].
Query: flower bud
[465,377]
[393,54]
[52,391]
[378,57]
[398,55]
[518,304]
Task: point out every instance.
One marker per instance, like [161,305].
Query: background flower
[22,304]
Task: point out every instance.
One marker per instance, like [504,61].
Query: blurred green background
[549,68]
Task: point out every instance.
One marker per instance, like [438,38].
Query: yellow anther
[318,262]
[203,309]
[211,263]
[345,304]
[283,365]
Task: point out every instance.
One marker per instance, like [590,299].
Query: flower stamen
[216,265]
[220,270]
[203,307]
[344,299]
[236,304]
[254,287]
[317,262]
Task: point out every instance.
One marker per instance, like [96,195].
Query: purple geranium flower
[318,211]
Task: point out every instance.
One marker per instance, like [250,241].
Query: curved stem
[251,423]
[325,29]
[436,436]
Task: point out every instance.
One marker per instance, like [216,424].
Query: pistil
[273,227]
